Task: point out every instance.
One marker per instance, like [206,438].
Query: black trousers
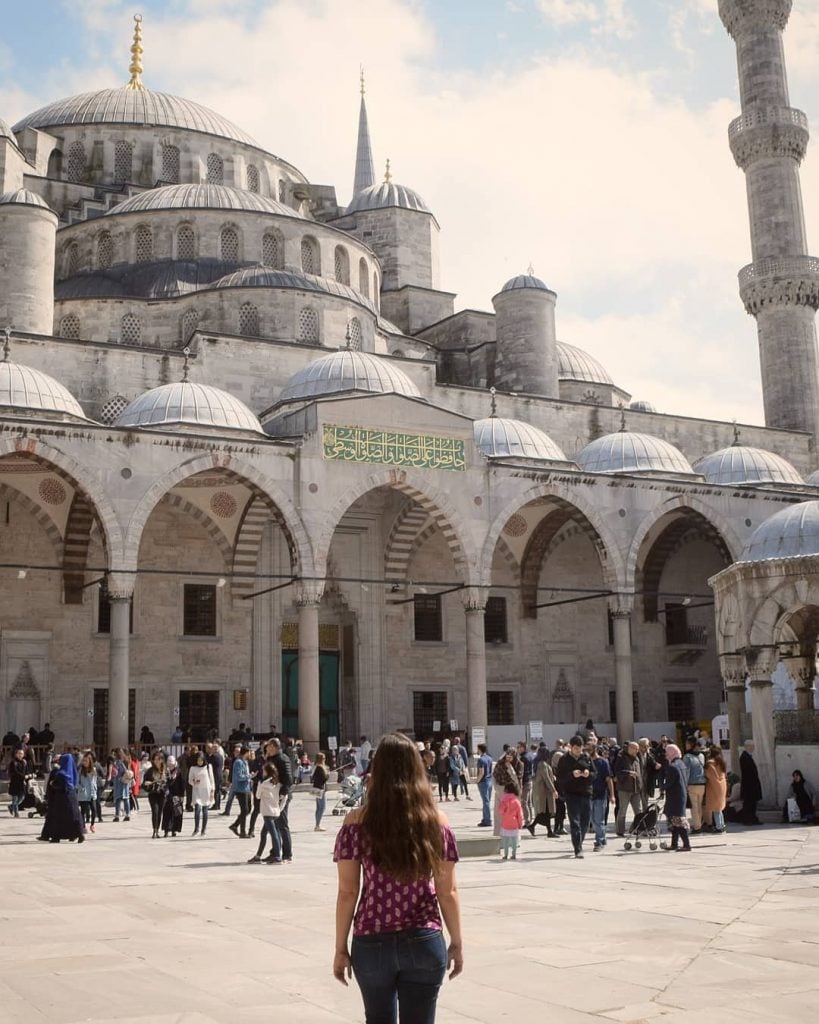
[243,799]
[157,802]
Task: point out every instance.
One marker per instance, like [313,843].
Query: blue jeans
[200,812]
[599,805]
[321,804]
[578,809]
[719,820]
[269,828]
[16,800]
[400,971]
[485,789]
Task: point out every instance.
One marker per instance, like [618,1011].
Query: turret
[526,348]
[364,169]
[28,229]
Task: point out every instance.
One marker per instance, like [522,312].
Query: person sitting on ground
[801,791]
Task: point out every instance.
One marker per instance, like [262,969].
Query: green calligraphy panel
[389,448]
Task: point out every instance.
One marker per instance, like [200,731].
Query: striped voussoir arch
[78,529]
[440,519]
[259,511]
[212,529]
[52,531]
[408,523]
[507,555]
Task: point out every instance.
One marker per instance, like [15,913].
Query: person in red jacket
[510,811]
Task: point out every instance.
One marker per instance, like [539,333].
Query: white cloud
[606,17]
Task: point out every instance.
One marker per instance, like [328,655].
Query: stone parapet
[765,132]
[780,281]
[747,15]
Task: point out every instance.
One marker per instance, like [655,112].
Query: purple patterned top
[386,905]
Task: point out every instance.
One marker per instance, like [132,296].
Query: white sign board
[536,730]
[453,723]
[478,736]
[436,726]
[332,743]
[719,728]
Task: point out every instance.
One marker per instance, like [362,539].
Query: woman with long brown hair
[406,852]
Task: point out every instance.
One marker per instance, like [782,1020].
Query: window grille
[272,251]
[216,169]
[229,245]
[635,706]
[70,326]
[72,258]
[112,408]
[308,325]
[190,322]
[310,262]
[494,622]
[199,609]
[105,250]
[428,707]
[355,334]
[170,164]
[185,243]
[681,705]
[249,320]
[76,162]
[500,707]
[342,265]
[123,161]
[428,624]
[131,330]
[252,178]
[144,245]
[363,278]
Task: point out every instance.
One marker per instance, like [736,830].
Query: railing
[779,266]
[688,636]
[792,727]
[762,116]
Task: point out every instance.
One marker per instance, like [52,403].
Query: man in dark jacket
[284,768]
[750,788]
[629,784]
[214,757]
[575,776]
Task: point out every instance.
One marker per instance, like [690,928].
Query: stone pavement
[132,930]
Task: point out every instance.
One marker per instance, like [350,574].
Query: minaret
[781,287]
[364,169]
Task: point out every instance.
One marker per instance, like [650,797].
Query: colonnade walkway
[128,930]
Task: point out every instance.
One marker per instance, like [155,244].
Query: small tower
[28,232]
[781,287]
[364,167]
[526,347]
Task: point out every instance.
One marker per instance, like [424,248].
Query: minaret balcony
[764,132]
[780,281]
[737,15]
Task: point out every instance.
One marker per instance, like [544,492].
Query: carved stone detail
[753,14]
[780,281]
[762,141]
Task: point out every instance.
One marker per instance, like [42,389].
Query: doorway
[328,695]
[199,713]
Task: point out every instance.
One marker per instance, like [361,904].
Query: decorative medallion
[52,491]
[223,505]
[516,526]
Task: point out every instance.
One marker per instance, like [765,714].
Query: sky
[587,138]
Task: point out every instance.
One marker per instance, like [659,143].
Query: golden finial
[387,175]
[361,68]
[135,67]
[530,270]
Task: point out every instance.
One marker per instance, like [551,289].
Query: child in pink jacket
[511,817]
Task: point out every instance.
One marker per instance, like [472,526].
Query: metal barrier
[796,727]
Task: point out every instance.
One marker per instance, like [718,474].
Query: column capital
[621,605]
[740,16]
[761,662]
[474,599]
[120,586]
[309,592]
[733,671]
[801,668]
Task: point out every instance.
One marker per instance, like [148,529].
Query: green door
[328,694]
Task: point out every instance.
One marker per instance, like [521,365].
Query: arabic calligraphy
[389,448]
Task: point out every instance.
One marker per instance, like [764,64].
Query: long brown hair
[400,821]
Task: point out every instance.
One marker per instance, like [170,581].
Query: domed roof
[201,197]
[386,194]
[525,281]
[740,464]
[267,277]
[137,107]
[575,364]
[813,479]
[791,532]
[23,388]
[347,370]
[187,403]
[627,452]
[23,197]
[641,405]
[497,438]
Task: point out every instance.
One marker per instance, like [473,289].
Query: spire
[387,173]
[494,405]
[135,66]
[364,168]
[186,352]
[6,344]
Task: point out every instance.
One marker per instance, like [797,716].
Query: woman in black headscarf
[62,820]
[801,791]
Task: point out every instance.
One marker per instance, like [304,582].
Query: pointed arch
[50,528]
[257,514]
[78,529]
[210,527]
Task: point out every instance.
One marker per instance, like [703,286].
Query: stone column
[802,670]
[474,608]
[120,593]
[734,672]
[761,663]
[621,616]
[308,602]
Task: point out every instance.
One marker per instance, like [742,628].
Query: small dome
[386,194]
[23,388]
[501,438]
[184,402]
[813,479]
[641,405]
[575,364]
[201,197]
[627,452]
[742,465]
[23,197]
[347,370]
[525,281]
[789,533]
[266,277]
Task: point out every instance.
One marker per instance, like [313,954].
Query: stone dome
[740,464]
[202,197]
[134,107]
[575,364]
[266,277]
[497,438]
[23,197]
[525,281]
[386,194]
[184,402]
[789,533]
[23,389]
[813,479]
[347,371]
[641,405]
[628,452]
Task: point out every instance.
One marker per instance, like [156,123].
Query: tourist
[456,769]
[236,754]
[269,794]
[750,787]
[716,790]
[18,773]
[428,757]
[365,749]
[648,771]
[510,810]
[257,775]
[174,799]
[274,750]
[62,819]
[560,803]
[46,736]
[87,791]
[802,792]
[695,763]
[216,759]
[576,774]
[443,771]
[146,737]
[399,955]
[504,773]
[676,796]
[527,761]
[102,779]
[200,781]
[155,782]
[544,792]
[134,765]
[484,784]
[602,796]
[629,785]
[464,779]
[240,781]
[122,778]
[318,780]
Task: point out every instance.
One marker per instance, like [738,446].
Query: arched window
[105,250]
[342,265]
[144,244]
[55,164]
[70,326]
[376,288]
[76,162]
[185,243]
[308,325]
[72,258]
[170,164]
[252,178]
[229,245]
[249,320]
[131,330]
[273,251]
[355,334]
[112,408]
[281,191]
[310,258]
[363,278]
[123,161]
[189,323]
[216,169]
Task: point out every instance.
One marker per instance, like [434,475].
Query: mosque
[255,465]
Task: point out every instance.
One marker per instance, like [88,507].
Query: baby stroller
[351,795]
[645,826]
[35,797]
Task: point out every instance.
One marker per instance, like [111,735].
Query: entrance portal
[328,695]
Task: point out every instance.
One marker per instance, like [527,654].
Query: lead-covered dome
[575,364]
[525,281]
[628,452]
[344,371]
[134,107]
[385,195]
[741,464]
[202,197]
[198,405]
[792,532]
[497,438]
[23,389]
[23,197]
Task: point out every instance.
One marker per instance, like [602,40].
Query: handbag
[794,814]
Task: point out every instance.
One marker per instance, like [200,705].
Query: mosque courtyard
[129,930]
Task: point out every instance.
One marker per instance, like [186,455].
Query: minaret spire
[781,287]
[135,66]
[364,168]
